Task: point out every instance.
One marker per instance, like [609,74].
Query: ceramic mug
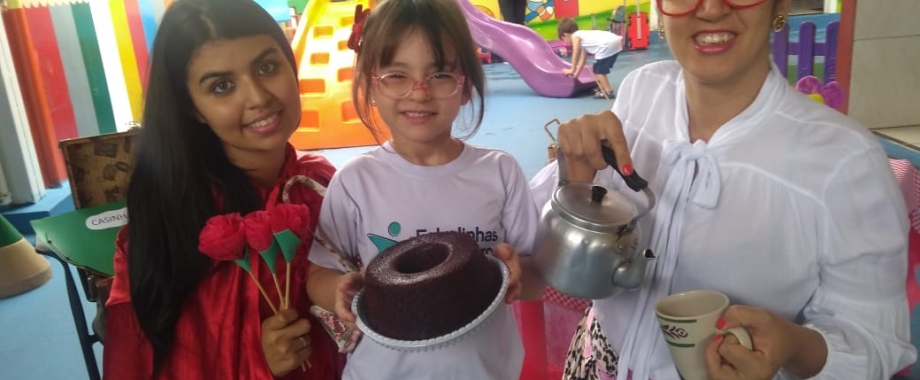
[688,322]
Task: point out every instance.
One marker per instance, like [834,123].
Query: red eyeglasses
[678,8]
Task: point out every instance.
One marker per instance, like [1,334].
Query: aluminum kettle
[588,248]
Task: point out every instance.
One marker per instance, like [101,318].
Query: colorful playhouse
[329,119]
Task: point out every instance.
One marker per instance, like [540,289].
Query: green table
[84,238]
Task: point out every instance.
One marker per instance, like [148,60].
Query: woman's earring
[661,30]
[779,23]
[373,102]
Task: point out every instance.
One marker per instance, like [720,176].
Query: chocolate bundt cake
[428,286]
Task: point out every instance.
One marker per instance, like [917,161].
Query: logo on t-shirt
[483,237]
[382,243]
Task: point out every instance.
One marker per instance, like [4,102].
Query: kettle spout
[648,255]
[630,275]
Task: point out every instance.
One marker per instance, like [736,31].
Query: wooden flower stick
[244,263]
[282,303]
[287,242]
[270,256]
[262,290]
[307,362]
[287,285]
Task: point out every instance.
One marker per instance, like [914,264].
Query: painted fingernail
[627,169]
[720,323]
[717,337]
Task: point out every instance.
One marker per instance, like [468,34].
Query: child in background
[604,45]
[417,66]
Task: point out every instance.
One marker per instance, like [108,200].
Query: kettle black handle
[633,180]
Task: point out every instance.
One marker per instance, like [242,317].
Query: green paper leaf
[270,255]
[244,262]
[288,241]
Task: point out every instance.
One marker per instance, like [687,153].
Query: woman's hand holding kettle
[578,138]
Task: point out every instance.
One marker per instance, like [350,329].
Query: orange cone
[21,268]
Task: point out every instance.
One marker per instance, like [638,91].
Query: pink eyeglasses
[398,85]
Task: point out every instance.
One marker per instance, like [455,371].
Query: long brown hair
[443,25]
[180,163]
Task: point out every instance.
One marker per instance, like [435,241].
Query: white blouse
[793,208]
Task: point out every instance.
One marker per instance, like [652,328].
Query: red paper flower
[289,216]
[258,230]
[223,238]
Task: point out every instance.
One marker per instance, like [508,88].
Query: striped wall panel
[95,70]
[81,95]
[138,43]
[28,73]
[150,12]
[53,78]
[128,60]
[112,59]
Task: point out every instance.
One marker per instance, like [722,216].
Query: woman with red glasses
[780,202]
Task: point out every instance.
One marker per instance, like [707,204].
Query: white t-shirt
[600,43]
[379,198]
[793,208]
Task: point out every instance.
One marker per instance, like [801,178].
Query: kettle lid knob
[598,193]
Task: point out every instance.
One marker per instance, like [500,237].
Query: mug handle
[744,338]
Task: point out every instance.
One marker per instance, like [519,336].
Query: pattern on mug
[674,332]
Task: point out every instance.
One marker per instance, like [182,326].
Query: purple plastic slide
[527,52]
